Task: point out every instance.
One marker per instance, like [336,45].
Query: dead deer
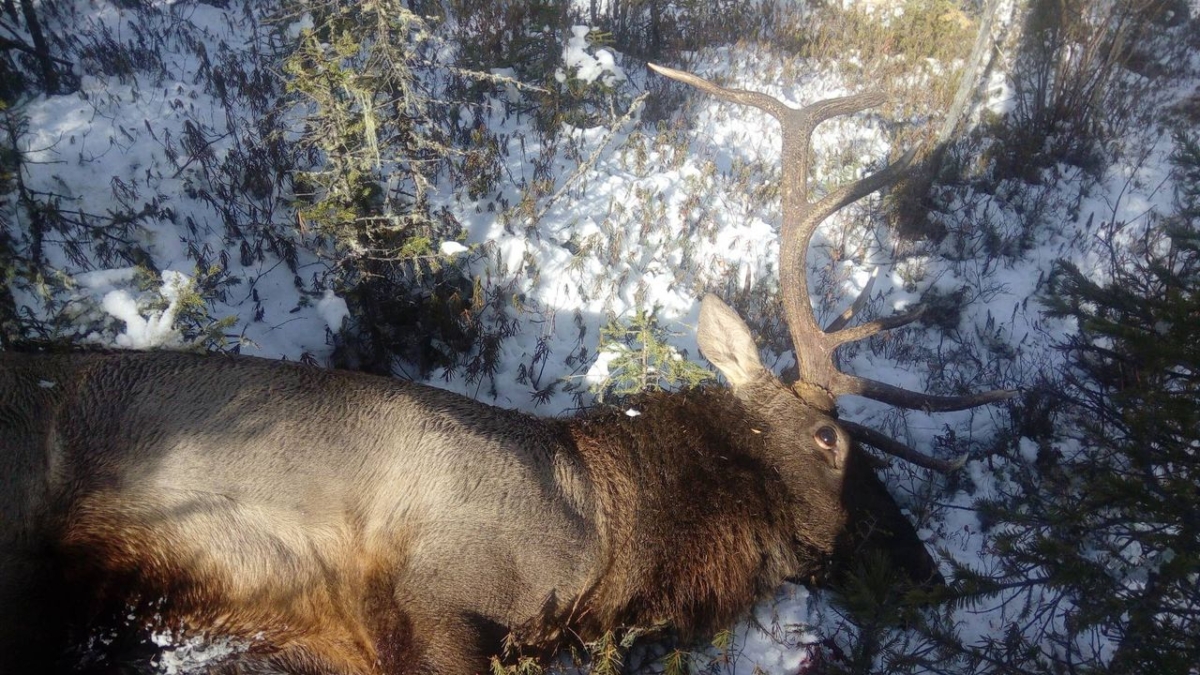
[341,523]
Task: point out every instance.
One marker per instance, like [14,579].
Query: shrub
[1097,539]
[637,356]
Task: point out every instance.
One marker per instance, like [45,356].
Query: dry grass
[914,52]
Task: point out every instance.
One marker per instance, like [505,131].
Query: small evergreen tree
[640,358]
[377,139]
[1099,549]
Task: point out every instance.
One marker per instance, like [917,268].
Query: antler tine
[863,331]
[838,334]
[798,123]
[852,311]
[913,400]
[852,192]
[768,104]
[897,449]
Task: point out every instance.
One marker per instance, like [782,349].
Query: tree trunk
[40,47]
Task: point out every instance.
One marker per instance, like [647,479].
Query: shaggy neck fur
[698,514]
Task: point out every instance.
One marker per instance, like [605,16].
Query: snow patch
[453,248]
[190,655]
[333,310]
[153,328]
[588,67]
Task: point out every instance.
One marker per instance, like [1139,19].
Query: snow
[333,310]
[183,655]
[585,66]
[143,327]
[706,228]
[453,248]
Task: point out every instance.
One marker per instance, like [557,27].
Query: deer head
[819,380]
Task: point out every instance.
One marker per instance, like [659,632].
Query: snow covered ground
[658,217]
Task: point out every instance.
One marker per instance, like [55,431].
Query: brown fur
[699,518]
[346,524]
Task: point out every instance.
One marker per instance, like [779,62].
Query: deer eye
[826,437]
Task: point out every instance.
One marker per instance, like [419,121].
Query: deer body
[335,523]
[343,523]
[279,491]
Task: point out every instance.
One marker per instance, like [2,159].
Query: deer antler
[820,382]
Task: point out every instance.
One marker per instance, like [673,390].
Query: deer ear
[725,340]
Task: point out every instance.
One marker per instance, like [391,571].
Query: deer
[333,522]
